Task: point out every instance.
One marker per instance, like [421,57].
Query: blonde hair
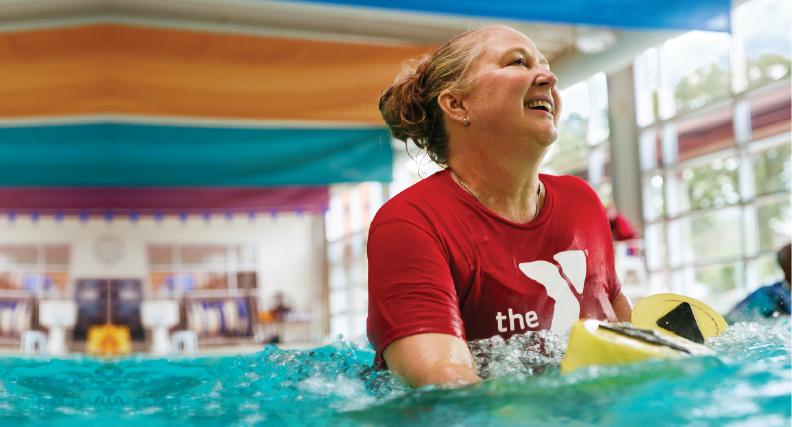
[410,107]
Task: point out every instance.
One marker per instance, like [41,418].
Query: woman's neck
[508,187]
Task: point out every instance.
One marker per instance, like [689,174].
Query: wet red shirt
[439,261]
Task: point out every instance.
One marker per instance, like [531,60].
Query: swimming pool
[749,383]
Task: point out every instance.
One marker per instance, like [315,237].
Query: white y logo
[567,308]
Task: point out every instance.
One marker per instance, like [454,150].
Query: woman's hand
[431,359]
[622,307]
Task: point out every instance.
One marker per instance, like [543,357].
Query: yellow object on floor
[593,342]
[108,340]
[678,315]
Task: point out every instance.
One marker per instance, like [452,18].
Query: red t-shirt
[439,261]
[621,229]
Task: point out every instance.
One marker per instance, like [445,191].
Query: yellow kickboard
[108,340]
[678,315]
[593,342]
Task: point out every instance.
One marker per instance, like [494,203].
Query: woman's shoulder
[571,189]
[415,201]
[570,181]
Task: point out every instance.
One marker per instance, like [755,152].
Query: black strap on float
[645,335]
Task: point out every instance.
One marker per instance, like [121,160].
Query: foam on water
[747,384]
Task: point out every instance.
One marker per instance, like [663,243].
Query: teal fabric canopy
[125,155]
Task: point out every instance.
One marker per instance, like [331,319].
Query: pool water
[749,383]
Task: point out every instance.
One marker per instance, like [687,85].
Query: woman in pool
[488,246]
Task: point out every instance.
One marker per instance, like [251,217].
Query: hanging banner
[135,201]
[123,155]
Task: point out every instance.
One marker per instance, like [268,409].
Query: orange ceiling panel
[123,69]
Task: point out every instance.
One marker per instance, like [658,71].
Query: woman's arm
[622,307]
[431,359]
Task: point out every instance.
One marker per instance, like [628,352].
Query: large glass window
[716,280]
[706,237]
[773,224]
[696,68]
[714,116]
[765,31]
[772,170]
[712,185]
[352,208]
[572,142]
[582,145]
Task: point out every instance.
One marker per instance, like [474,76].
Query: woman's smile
[542,113]
[542,105]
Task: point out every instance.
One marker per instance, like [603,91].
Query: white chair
[57,316]
[186,341]
[629,263]
[159,316]
[33,342]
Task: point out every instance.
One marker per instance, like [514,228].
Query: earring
[465,122]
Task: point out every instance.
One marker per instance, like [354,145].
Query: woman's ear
[452,106]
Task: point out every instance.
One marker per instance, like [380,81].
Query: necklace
[538,193]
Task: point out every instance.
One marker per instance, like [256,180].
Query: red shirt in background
[439,261]
[621,229]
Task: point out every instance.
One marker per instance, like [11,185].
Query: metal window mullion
[643,94]
[41,268]
[648,208]
[666,95]
[231,267]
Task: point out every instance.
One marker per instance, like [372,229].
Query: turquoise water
[749,383]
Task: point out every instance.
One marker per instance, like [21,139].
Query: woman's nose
[546,78]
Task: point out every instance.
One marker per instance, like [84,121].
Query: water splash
[748,383]
[529,353]
[765,342]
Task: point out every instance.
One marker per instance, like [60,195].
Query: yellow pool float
[678,315]
[108,340]
[664,326]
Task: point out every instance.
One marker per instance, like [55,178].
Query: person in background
[487,246]
[767,301]
[280,308]
[620,226]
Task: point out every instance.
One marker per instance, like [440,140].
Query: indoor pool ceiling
[330,22]
[276,95]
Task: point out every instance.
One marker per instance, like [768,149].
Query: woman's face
[514,96]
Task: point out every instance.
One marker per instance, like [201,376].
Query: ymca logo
[567,307]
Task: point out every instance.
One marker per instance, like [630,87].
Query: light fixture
[592,40]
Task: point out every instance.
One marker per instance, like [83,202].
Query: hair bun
[410,107]
[403,104]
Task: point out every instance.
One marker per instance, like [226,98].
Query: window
[352,208]
[773,221]
[765,31]
[41,270]
[696,68]
[713,184]
[204,270]
[582,145]
[714,118]
[772,170]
